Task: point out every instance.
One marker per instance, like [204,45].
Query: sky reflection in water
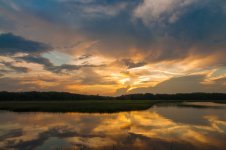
[161,127]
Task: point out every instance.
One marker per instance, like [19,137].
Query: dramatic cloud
[64,68]
[108,46]
[15,68]
[151,11]
[185,84]
[36,59]
[10,44]
[130,64]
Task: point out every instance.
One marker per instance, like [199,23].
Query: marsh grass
[101,106]
[91,106]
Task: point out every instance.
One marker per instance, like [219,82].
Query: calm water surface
[163,127]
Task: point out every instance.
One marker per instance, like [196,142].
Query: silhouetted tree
[61,96]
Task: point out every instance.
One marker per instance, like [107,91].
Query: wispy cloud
[127,45]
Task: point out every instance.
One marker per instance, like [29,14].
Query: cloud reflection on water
[150,129]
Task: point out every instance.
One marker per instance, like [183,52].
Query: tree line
[58,96]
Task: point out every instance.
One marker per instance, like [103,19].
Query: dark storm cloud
[48,65]
[16,68]
[64,68]
[72,12]
[130,64]
[11,44]
[172,32]
[202,27]
[36,59]
[85,56]
[196,23]
[198,30]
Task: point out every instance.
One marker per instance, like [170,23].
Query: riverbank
[89,106]
[77,106]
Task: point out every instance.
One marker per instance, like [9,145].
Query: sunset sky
[113,47]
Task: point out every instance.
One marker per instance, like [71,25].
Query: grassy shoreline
[89,106]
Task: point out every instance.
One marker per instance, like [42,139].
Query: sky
[113,47]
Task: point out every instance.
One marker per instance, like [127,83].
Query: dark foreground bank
[61,96]
[91,106]
[68,102]
[99,106]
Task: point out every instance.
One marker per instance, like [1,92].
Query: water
[163,127]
